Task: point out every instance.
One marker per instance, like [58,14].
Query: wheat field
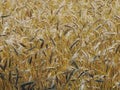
[59,44]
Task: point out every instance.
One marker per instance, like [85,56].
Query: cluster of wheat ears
[59,44]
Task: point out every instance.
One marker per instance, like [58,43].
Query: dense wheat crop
[59,44]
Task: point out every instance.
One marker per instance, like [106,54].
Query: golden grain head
[59,44]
